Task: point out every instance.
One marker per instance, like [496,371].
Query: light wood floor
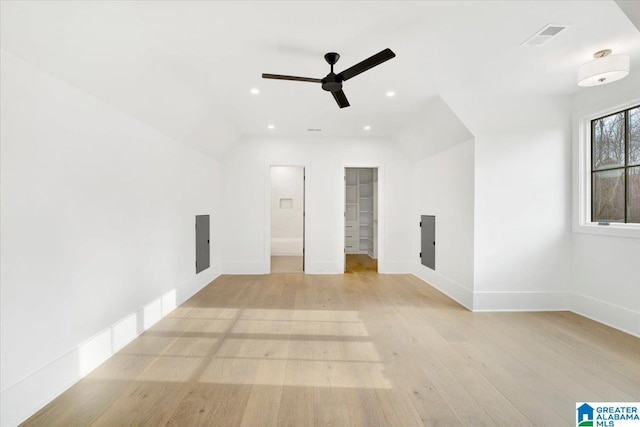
[350,350]
[360,263]
[286,264]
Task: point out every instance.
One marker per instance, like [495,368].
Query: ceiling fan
[333,82]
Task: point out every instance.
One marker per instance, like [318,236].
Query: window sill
[631,231]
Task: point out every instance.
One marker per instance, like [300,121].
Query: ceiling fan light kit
[605,68]
[332,82]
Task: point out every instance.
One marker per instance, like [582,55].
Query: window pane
[608,196]
[634,136]
[608,142]
[633,202]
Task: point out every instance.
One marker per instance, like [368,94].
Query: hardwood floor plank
[357,349]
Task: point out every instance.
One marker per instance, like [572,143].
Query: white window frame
[582,215]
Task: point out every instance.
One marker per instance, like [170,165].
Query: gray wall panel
[202,242]
[428,241]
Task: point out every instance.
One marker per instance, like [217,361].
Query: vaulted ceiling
[186,68]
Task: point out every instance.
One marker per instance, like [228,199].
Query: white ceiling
[186,68]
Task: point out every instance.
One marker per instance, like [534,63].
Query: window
[615,167]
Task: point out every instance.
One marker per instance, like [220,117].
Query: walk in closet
[361,211]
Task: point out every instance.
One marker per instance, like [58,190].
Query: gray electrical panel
[428,241]
[202,243]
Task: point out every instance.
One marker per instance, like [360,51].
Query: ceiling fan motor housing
[331,83]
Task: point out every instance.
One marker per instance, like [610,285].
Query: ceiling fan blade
[368,63]
[340,98]
[298,79]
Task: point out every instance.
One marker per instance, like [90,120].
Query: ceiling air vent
[544,35]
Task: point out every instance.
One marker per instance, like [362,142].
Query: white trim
[234,266]
[394,267]
[450,288]
[493,301]
[246,267]
[521,301]
[381,210]
[615,316]
[26,397]
[612,315]
[618,230]
[323,267]
[582,175]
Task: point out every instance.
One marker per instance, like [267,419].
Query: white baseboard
[521,301]
[450,288]
[286,246]
[28,396]
[621,318]
[327,267]
[394,267]
[244,267]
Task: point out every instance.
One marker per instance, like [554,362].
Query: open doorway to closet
[287,219]
[361,219]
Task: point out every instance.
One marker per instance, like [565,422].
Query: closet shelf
[361,211]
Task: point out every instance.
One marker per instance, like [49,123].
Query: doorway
[287,219]
[361,220]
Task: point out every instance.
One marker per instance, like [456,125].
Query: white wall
[444,187]
[439,129]
[97,232]
[286,222]
[246,187]
[605,268]
[522,200]
[606,280]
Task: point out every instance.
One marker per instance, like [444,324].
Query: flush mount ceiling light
[367,127]
[271,127]
[605,68]
[254,91]
[391,93]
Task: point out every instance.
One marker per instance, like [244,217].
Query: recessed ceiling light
[271,127]
[391,93]
[367,127]
[255,91]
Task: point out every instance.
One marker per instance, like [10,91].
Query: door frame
[267,216]
[381,212]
